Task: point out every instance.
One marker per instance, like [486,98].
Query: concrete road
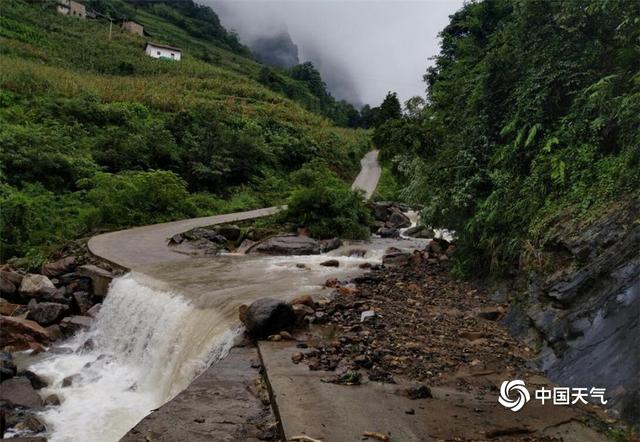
[146,245]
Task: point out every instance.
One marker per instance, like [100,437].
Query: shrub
[325,205]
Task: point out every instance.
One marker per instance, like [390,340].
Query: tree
[390,109]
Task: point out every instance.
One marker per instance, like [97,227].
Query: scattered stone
[375,435]
[30,424]
[100,278]
[331,263]
[35,285]
[73,324]
[301,311]
[287,245]
[420,232]
[297,357]
[47,313]
[59,267]
[7,365]
[20,334]
[6,286]
[70,380]
[36,381]
[230,231]
[51,400]
[491,313]
[286,335]
[388,232]
[8,309]
[367,315]
[396,258]
[346,378]
[331,283]
[19,391]
[356,253]
[54,332]
[410,411]
[302,299]
[82,301]
[267,316]
[365,265]
[88,346]
[418,392]
[93,311]
[301,266]
[327,245]
[176,239]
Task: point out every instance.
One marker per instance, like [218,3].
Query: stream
[162,325]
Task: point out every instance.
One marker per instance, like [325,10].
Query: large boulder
[420,232]
[267,316]
[397,219]
[19,391]
[9,283]
[21,334]
[73,324]
[81,301]
[230,231]
[388,232]
[100,278]
[47,313]
[59,267]
[287,245]
[34,286]
[327,245]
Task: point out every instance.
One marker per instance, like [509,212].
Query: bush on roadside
[325,205]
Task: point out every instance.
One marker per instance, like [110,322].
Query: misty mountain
[277,50]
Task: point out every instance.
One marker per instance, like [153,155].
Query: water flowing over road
[171,317]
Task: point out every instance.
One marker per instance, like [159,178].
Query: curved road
[142,246]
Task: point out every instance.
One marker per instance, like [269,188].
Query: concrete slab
[338,413]
[222,404]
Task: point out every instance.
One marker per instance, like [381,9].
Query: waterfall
[147,346]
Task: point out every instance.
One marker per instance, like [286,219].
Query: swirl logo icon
[515,387]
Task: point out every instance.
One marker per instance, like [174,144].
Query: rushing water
[159,328]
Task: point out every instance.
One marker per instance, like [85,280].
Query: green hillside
[95,134]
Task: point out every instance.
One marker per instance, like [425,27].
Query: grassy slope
[50,64]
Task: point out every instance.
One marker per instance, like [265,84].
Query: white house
[69,7]
[165,52]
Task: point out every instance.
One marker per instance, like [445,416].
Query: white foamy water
[149,344]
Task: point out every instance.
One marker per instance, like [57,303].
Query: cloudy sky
[363,48]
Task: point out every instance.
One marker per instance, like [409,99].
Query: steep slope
[96,134]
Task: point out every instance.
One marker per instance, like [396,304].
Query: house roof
[158,45]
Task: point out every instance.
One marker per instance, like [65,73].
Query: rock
[9,282]
[100,278]
[398,220]
[70,380]
[381,210]
[93,311]
[18,391]
[356,253]
[242,312]
[30,424]
[331,283]
[72,324]
[331,263]
[301,266]
[287,245]
[51,400]
[267,316]
[7,365]
[365,265]
[245,245]
[437,246]
[58,295]
[47,313]
[59,267]
[88,346]
[54,332]
[19,333]
[81,301]
[230,231]
[367,315]
[296,357]
[397,259]
[301,311]
[327,245]
[419,392]
[420,232]
[36,381]
[35,285]
[491,313]
[176,239]
[302,299]
[388,232]
[8,309]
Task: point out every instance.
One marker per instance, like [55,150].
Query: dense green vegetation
[94,134]
[326,205]
[532,115]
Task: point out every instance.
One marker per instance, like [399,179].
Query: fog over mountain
[363,48]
